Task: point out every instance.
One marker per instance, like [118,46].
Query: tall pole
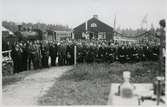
[86,29]
[75,55]
[115,23]
[114,32]
[86,25]
[162,46]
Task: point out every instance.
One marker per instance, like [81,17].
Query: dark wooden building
[93,29]
[55,35]
[8,38]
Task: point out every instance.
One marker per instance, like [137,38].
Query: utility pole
[160,77]
[86,29]
[115,23]
[114,31]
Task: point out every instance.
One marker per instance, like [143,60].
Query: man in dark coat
[16,57]
[45,56]
[80,54]
[70,54]
[24,56]
[53,53]
[31,55]
[120,54]
[61,54]
[90,54]
[100,54]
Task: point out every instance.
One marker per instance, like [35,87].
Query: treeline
[13,26]
[134,32]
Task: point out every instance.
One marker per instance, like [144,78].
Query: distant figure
[17,58]
[53,53]
[45,56]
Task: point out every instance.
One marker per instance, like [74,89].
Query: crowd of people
[103,51]
[27,55]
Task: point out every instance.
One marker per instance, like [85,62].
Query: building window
[93,25]
[102,35]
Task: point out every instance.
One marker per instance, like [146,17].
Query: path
[27,91]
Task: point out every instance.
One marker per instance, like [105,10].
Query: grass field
[89,84]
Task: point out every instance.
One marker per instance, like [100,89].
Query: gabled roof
[102,22]
[93,18]
[5,29]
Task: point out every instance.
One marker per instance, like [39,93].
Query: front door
[91,35]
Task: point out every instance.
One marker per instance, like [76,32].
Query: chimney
[95,16]
[19,27]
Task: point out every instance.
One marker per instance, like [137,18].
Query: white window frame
[93,25]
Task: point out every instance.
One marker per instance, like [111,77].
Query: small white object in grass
[160,78]
[149,71]
[126,74]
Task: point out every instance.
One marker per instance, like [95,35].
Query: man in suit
[53,53]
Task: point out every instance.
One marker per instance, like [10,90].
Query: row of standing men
[122,53]
[35,54]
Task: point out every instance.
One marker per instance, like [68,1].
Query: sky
[128,13]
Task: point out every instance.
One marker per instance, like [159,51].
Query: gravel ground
[27,91]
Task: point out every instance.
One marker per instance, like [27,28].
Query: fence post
[75,55]
[10,54]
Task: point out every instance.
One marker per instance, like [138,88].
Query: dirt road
[27,91]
